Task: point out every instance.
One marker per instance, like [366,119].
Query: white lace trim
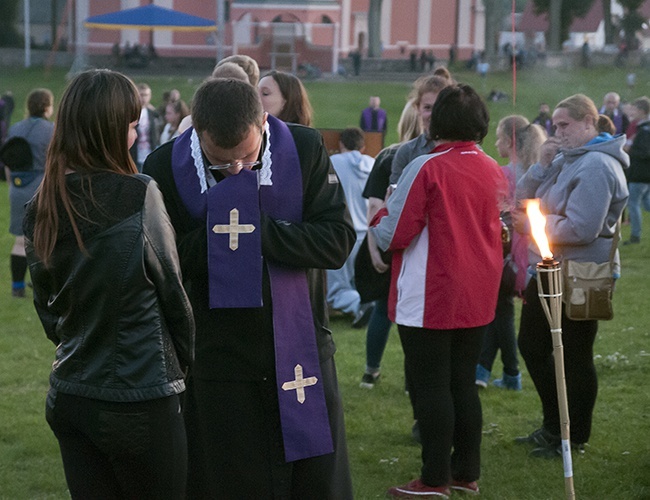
[197,155]
[266,172]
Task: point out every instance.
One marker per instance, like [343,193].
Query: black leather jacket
[118,313]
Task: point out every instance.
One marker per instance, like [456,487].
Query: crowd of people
[239,234]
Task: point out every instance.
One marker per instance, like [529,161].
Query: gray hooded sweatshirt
[583,193]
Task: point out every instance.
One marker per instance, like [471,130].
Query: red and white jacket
[442,224]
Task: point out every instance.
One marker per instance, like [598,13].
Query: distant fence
[16,57]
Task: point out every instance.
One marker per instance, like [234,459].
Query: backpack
[16,153]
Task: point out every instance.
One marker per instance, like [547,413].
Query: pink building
[287,33]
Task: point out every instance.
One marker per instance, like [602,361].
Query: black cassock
[231,407]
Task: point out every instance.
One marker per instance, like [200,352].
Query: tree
[374,28]
[560,16]
[607,19]
[494,12]
[8,35]
[632,21]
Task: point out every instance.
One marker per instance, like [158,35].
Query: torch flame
[537,225]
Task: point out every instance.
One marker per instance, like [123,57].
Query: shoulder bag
[588,286]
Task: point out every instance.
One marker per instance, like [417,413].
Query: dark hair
[297,108]
[352,138]
[459,114]
[90,135]
[38,101]
[226,109]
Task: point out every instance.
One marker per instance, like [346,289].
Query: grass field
[617,462]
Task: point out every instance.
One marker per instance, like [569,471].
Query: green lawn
[382,454]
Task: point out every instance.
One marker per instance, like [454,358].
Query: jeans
[377,335]
[500,334]
[341,293]
[117,451]
[639,195]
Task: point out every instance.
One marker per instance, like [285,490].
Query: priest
[259,215]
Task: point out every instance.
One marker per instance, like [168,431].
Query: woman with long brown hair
[108,291]
[284,96]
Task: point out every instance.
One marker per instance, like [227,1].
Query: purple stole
[232,210]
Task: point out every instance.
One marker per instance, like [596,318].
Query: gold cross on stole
[233,229]
[299,384]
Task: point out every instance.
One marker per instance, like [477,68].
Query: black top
[379,178]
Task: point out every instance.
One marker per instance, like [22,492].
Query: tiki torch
[549,287]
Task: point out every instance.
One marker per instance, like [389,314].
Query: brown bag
[588,286]
[587,290]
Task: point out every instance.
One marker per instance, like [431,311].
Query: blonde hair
[430,84]
[525,138]
[408,126]
[579,106]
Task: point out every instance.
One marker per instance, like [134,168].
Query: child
[519,141]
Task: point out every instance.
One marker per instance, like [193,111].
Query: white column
[335,48]
[132,36]
[81,41]
[424,22]
[464,23]
[27,34]
[386,15]
[163,38]
[346,16]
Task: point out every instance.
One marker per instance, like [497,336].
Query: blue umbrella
[150,17]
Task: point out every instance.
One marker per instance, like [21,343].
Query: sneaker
[363,316]
[470,488]
[541,438]
[18,292]
[632,240]
[369,380]
[482,376]
[511,382]
[417,489]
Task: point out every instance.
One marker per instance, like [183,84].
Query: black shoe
[369,380]
[363,316]
[632,240]
[556,451]
[18,292]
[540,438]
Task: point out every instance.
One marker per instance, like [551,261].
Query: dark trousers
[236,447]
[536,347]
[441,368]
[500,335]
[120,450]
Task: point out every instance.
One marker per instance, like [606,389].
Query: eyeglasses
[253,165]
